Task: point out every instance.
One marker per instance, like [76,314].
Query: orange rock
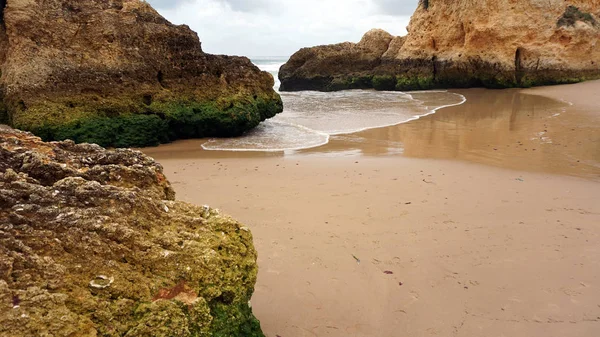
[460,43]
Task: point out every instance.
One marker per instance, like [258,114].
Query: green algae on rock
[118,74]
[460,44]
[92,243]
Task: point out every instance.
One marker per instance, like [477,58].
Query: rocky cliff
[92,243]
[462,43]
[116,73]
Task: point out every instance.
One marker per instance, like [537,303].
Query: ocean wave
[271,136]
[270,64]
[272,67]
[310,118]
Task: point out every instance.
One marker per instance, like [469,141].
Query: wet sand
[506,128]
[509,248]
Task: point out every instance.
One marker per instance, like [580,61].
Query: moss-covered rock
[126,123]
[92,243]
[129,79]
[415,83]
[573,14]
[345,83]
[384,82]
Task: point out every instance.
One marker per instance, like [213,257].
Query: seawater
[310,118]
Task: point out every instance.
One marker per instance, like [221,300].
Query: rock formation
[462,43]
[92,243]
[116,73]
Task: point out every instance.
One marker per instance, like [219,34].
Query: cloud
[396,7]
[167,4]
[249,5]
[281,27]
[236,5]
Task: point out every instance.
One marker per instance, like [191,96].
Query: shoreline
[521,129]
[355,94]
[508,128]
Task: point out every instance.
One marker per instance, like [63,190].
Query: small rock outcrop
[92,243]
[340,66]
[116,73]
[460,43]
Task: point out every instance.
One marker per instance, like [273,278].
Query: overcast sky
[281,27]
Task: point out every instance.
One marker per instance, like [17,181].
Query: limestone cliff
[462,43]
[116,73]
[92,243]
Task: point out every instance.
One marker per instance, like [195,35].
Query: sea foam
[310,118]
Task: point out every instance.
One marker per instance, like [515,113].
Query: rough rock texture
[462,43]
[341,66]
[92,243]
[116,73]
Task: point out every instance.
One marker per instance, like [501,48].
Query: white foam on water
[272,67]
[271,136]
[310,117]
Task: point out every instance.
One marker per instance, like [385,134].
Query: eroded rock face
[491,43]
[92,243]
[116,73]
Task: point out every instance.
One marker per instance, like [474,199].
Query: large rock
[462,43]
[116,73]
[92,243]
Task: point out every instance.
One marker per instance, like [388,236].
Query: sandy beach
[480,220]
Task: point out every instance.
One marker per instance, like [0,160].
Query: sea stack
[93,243]
[116,73]
[460,43]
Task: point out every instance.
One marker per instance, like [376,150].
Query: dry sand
[473,250]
